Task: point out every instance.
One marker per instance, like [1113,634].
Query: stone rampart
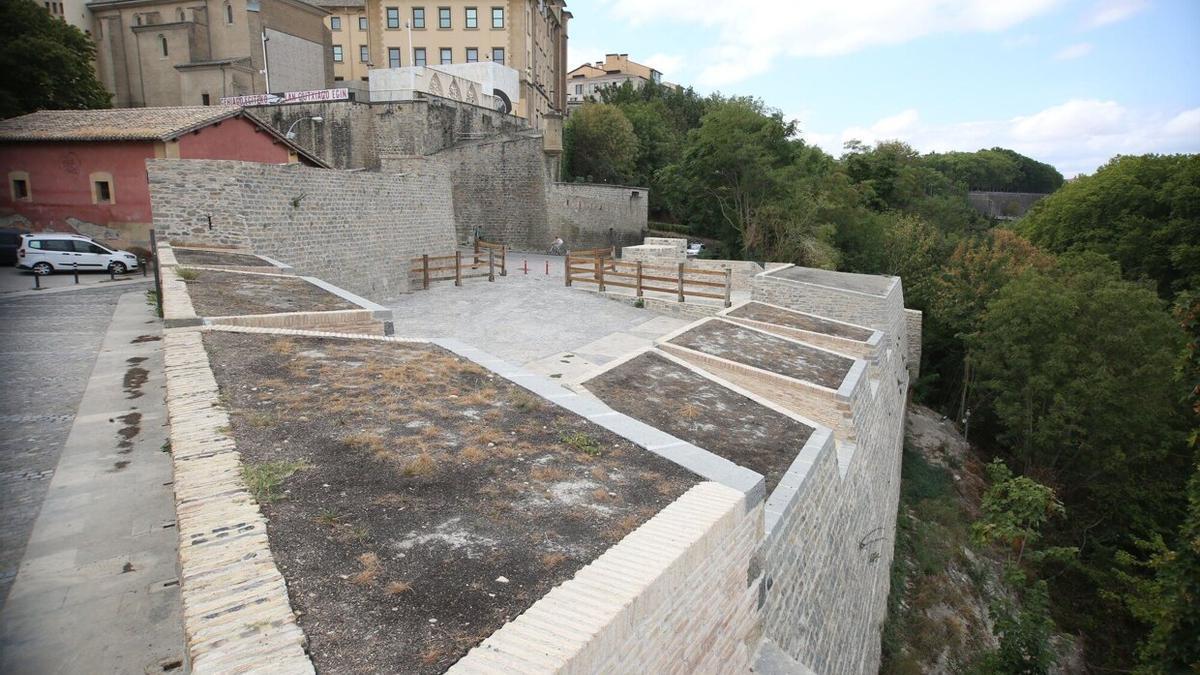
[355,229]
[594,216]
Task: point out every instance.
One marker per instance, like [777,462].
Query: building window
[364,54]
[472,17]
[393,17]
[472,55]
[498,55]
[497,17]
[362,23]
[443,17]
[393,57]
[579,90]
[447,56]
[338,78]
[18,182]
[162,43]
[204,100]
[337,53]
[419,56]
[418,17]
[228,13]
[102,188]
[335,23]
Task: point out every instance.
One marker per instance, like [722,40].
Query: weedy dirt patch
[417,501]
[757,311]
[664,394]
[231,294]
[761,350]
[218,258]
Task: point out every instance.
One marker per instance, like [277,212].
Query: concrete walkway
[97,591]
[532,319]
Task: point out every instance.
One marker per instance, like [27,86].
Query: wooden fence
[680,280]
[485,250]
[448,268]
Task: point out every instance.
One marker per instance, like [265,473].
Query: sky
[1068,82]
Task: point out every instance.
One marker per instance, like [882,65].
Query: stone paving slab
[97,590]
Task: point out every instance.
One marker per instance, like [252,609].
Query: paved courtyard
[532,319]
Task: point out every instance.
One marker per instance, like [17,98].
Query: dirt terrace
[415,501]
[774,354]
[218,258]
[757,311]
[231,294]
[677,400]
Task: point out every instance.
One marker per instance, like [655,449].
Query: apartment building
[585,82]
[152,53]
[529,36]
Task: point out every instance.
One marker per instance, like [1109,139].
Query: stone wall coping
[772,274]
[334,314]
[844,391]
[377,311]
[599,185]
[873,341]
[787,492]
[651,563]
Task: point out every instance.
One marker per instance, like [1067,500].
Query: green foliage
[45,63]
[1014,509]
[264,480]
[187,274]
[580,441]
[600,145]
[1024,635]
[998,169]
[1143,212]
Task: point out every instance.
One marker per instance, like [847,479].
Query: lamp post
[291,132]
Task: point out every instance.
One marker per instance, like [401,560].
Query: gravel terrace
[187,256]
[671,397]
[757,311]
[233,294]
[761,350]
[415,501]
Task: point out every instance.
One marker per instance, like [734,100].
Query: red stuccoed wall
[61,188]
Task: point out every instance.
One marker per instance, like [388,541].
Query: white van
[49,252]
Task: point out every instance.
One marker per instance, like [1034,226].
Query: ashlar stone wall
[357,230]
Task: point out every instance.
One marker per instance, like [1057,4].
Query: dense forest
[1068,342]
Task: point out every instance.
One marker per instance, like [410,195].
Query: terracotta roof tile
[120,124]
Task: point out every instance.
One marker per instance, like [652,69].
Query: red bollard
[547,268]
[526,266]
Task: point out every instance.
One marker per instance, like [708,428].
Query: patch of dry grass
[370,569]
[283,346]
[422,465]
[398,587]
[552,560]
[366,441]
[689,411]
[472,454]
[485,396]
[547,474]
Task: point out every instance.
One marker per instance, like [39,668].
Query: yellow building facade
[529,36]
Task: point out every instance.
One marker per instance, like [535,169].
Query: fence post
[681,282]
[75,269]
[491,265]
[728,287]
[566,267]
[425,269]
[476,262]
[504,260]
[458,268]
[639,278]
[157,273]
[600,267]
[597,263]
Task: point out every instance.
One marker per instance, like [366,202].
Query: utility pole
[266,66]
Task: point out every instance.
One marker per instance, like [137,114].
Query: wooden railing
[449,268]
[680,280]
[487,251]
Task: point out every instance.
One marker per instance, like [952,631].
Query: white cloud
[750,36]
[1074,51]
[1076,136]
[668,64]
[1113,11]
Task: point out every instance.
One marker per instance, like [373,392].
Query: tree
[733,161]
[1014,510]
[600,145]
[1143,212]
[45,63]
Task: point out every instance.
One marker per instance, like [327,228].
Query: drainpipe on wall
[266,66]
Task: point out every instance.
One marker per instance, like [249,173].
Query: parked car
[694,249]
[46,253]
